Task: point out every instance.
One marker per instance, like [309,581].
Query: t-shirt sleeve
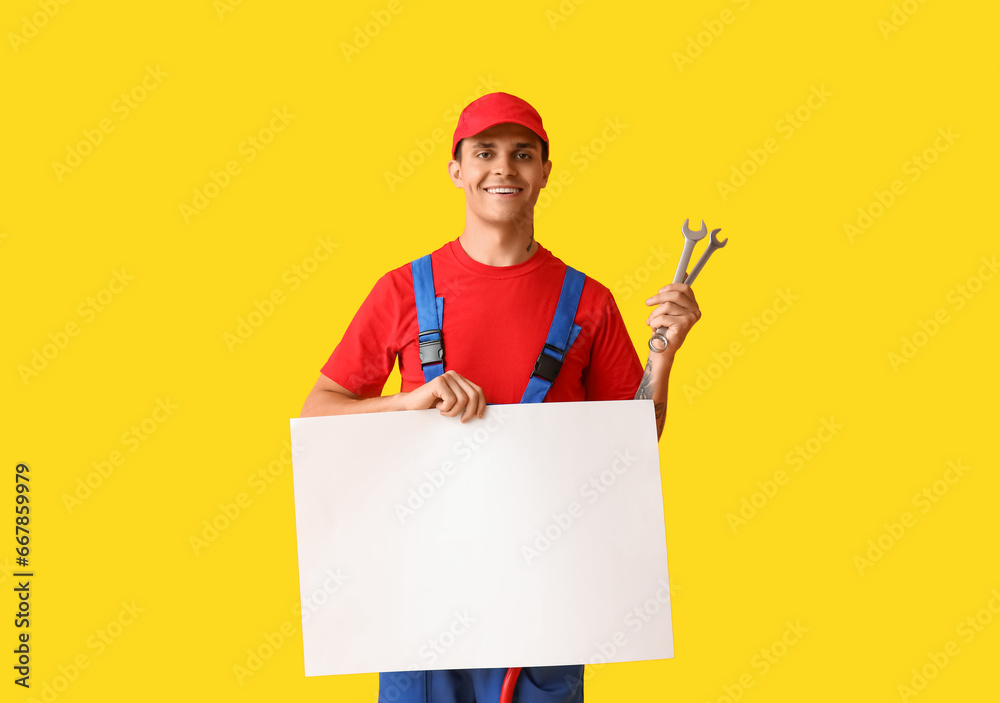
[366,354]
[615,371]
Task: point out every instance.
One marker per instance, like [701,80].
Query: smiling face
[502,174]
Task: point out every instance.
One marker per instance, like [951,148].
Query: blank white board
[531,537]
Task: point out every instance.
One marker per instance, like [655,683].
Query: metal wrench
[712,246]
[690,238]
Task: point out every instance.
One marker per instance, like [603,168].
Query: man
[492,326]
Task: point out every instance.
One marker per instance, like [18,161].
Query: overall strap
[405,686]
[430,313]
[562,332]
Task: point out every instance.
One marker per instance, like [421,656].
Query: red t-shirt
[495,322]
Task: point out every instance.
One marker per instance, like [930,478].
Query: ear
[546,170]
[455,173]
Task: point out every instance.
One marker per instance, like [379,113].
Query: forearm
[654,385]
[321,402]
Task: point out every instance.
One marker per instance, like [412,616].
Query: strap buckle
[546,366]
[431,350]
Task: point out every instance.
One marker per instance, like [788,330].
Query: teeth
[502,190]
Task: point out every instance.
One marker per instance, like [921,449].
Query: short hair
[545,150]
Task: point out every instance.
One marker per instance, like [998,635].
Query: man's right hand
[452,393]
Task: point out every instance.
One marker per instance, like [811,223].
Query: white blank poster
[531,537]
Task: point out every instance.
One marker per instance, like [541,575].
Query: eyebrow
[491,145]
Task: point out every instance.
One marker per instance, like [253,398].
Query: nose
[505,164]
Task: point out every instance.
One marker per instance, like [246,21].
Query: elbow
[314,407]
[321,403]
[307,408]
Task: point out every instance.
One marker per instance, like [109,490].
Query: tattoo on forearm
[645,392]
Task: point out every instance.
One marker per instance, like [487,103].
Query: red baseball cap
[493,109]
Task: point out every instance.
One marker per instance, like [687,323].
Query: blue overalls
[548,684]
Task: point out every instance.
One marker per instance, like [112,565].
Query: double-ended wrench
[690,239]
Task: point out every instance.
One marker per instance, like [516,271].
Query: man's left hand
[677,310]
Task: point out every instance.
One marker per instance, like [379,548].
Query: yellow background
[686,123]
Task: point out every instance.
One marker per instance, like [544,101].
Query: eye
[481,153]
[525,154]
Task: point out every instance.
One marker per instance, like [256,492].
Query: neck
[493,244]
